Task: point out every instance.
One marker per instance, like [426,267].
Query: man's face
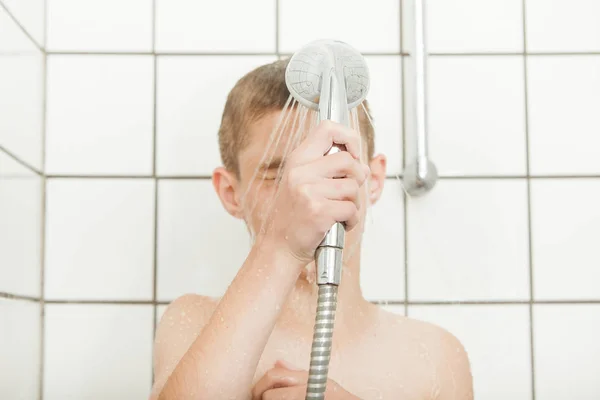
[260,162]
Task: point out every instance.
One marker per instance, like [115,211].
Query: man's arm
[210,354]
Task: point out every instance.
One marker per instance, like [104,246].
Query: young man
[254,343]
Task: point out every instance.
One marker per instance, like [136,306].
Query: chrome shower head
[311,68]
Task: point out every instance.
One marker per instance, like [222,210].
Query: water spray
[332,78]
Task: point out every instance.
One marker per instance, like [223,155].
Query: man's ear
[378,168]
[226,184]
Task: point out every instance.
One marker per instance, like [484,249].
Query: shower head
[311,69]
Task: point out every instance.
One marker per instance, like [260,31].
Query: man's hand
[284,382]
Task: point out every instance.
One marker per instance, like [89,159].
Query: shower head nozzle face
[305,71]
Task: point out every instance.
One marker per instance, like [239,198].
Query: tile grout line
[155,180]
[391,177]
[21,27]
[279,53]
[42,358]
[375,301]
[14,296]
[198,53]
[403,133]
[528,185]
[101,301]
[20,161]
[517,53]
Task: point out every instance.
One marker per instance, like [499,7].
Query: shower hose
[321,346]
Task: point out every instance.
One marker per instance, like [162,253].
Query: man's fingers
[290,393]
[278,377]
[320,140]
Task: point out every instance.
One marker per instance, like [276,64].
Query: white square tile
[109,25]
[567,362]
[565,220]
[21,93]
[99,115]
[200,246]
[99,239]
[218,26]
[19,349]
[477,115]
[564,98]
[367,26]
[468,240]
[497,342]
[30,14]
[563,25]
[97,352]
[20,228]
[467,26]
[385,102]
[12,37]
[191,94]
[382,254]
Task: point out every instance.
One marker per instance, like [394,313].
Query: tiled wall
[502,252]
[21,198]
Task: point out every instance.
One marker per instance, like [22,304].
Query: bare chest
[366,370]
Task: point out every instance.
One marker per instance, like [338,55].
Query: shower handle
[334,107]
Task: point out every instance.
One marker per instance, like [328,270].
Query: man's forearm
[222,360]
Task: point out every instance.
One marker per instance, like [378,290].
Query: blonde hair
[258,93]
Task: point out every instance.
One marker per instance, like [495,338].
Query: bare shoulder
[187,310]
[441,356]
[181,323]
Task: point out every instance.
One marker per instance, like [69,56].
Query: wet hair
[256,94]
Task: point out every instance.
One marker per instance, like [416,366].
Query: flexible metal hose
[320,352]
